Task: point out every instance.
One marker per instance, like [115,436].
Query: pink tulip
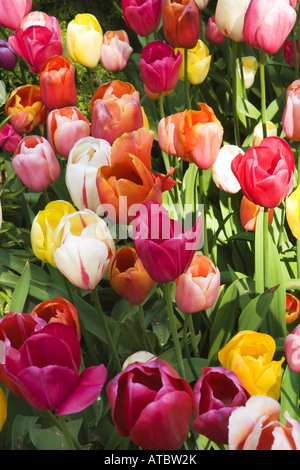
[142,16]
[115,51]
[9,138]
[292,349]
[217,393]
[13,11]
[65,126]
[164,248]
[35,163]
[198,287]
[45,370]
[268,23]
[212,32]
[152,405]
[37,38]
[291,113]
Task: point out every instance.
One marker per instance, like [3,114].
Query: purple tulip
[161,243]
[8,57]
[217,393]
[45,371]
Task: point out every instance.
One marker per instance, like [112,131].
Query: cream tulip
[230,16]
[84,40]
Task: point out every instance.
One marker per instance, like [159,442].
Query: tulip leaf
[254,313]
[246,108]
[52,438]
[21,291]
[290,394]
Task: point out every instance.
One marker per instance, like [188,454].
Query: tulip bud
[84,40]
[139,356]
[249,212]
[8,57]
[181,23]
[293,212]
[35,163]
[289,53]
[290,117]
[115,51]
[258,132]
[12,12]
[143,17]
[222,174]
[212,32]
[249,69]
[198,63]
[230,16]
[9,138]
[292,308]
[292,349]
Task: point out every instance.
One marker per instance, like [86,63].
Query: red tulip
[268,23]
[181,23]
[165,250]
[37,38]
[152,405]
[142,16]
[12,12]
[57,83]
[266,172]
[289,53]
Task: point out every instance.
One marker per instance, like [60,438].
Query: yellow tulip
[249,67]
[249,354]
[44,226]
[293,212]
[198,63]
[84,40]
[258,132]
[3,408]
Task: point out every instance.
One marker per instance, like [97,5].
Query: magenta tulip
[161,243]
[268,23]
[46,371]
[217,393]
[159,67]
[142,16]
[13,11]
[37,38]
[9,138]
[152,405]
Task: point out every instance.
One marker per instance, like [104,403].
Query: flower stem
[266,248]
[186,82]
[162,115]
[263,92]
[202,201]
[90,80]
[66,432]
[234,94]
[172,323]
[102,317]
[143,327]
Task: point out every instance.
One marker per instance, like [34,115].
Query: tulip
[293,212]
[201,4]
[35,163]
[266,172]
[181,23]
[115,51]
[157,237]
[230,16]
[115,109]
[222,174]
[249,212]
[58,310]
[46,371]
[65,126]
[249,354]
[57,83]
[44,226]
[12,12]
[212,32]
[198,287]
[217,393]
[83,248]
[289,53]
[139,356]
[85,159]
[290,117]
[8,57]
[152,405]
[292,308]
[159,67]
[258,132]
[84,40]
[249,69]
[166,129]
[198,136]
[9,138]
[142,16]
[128,276]
[37,38]
[268,23]
[256,426]
[198,63]
[26,108]
[128,181]
[3,408]
[292,349]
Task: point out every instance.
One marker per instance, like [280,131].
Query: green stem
[202,201]
[193,337]
[186,81]
[296,67]
[90,81]
[172,324]
[143,327]
[263,92]
[266,247]
[162,115]
[258,251]
[65,430]
[186,347]
[46,196]
[110,343]
[234,95]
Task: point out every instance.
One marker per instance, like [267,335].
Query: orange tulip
[27,109]
[128,181]
[248,214]
[181,23]
[292,308]
[198,136]
[128,276]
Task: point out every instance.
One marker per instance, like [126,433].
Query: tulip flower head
[83,248]
[198,287]
[157,237]
[115,51]
[290,117]
[85,159]
[139,356]
[3,408]
[249,212]
[181,23]
[198,63]
[230,16]
[249,354]
[249,69]
[222,174]
[12,12]
[292,308]
[44,226]
[258,132]
[201,4]
[289,53]
[84,40]
[212,32]
[152,405]
[9,138]
[292,349]
[142,16]
[8,57]
[293,212]
[266,172]
[35,162]
[37,38]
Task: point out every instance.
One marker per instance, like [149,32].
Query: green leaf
[21,291]
[290,394]
[247,109]
[52,438]
[254,313]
